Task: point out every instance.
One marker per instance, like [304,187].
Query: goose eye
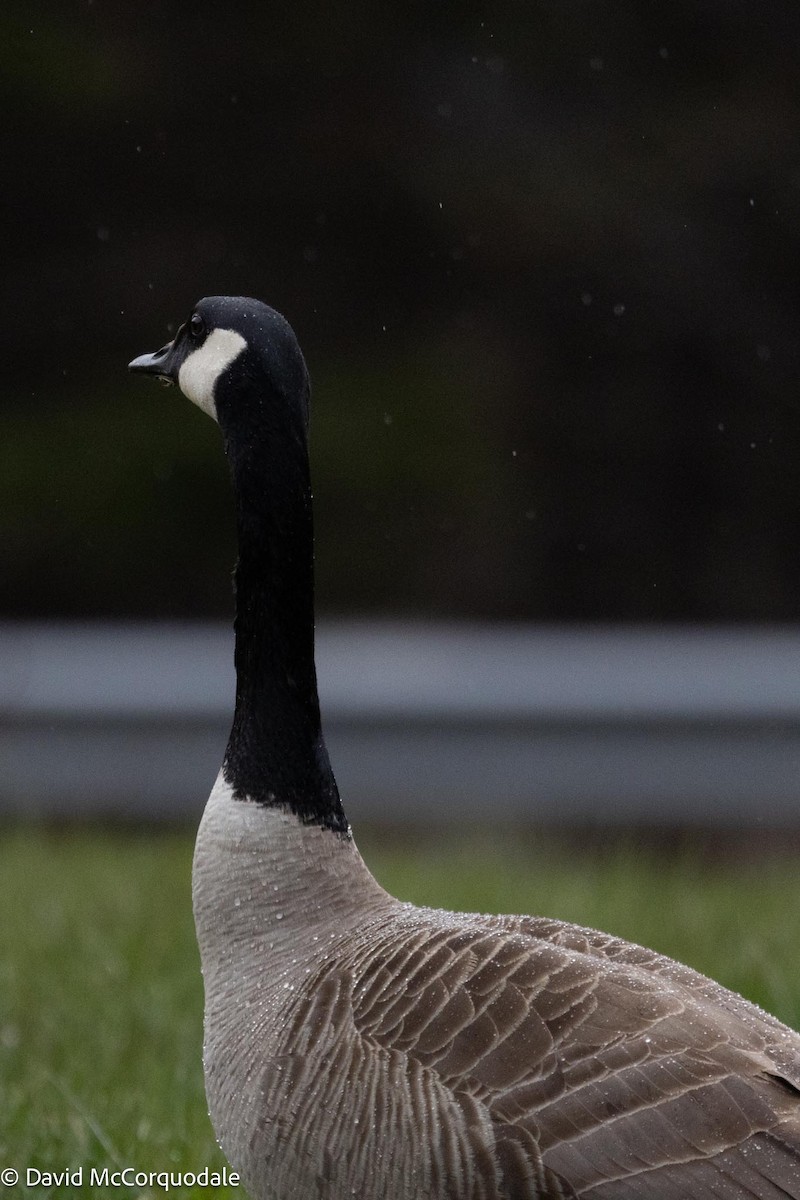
[196,326]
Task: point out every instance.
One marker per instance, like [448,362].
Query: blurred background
[542,260]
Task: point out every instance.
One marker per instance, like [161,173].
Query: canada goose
[359,1046]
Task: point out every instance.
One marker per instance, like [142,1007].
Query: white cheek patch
[201,370]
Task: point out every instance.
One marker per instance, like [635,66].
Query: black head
[240,362]
[236,359]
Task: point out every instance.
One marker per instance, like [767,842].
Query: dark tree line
[543,261]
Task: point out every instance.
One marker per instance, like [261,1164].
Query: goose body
[360,1046]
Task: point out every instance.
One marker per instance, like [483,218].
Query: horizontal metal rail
[556,725]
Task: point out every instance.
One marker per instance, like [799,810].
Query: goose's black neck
[276,754]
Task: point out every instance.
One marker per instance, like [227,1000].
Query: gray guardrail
[569,725]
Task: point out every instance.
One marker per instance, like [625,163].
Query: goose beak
[163,363]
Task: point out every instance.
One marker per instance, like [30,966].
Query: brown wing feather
[417,1139]
[604,1064]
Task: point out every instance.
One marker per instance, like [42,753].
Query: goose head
[239,361]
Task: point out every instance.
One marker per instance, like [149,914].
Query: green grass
[100,993]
